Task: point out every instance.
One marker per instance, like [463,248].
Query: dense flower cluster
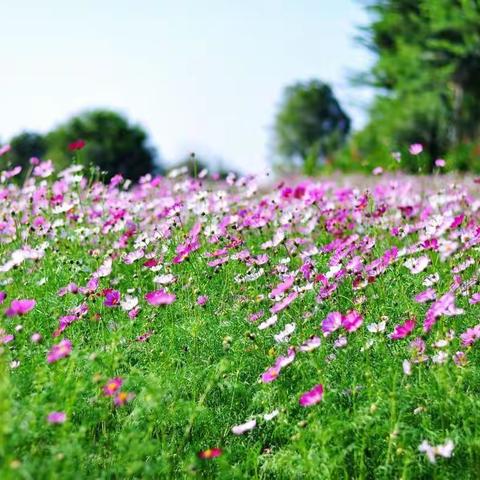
[317,239]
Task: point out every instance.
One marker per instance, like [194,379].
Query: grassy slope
[192,387]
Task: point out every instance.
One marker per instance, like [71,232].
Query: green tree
[111,143]
[310,124]
[24,146]
[427,62]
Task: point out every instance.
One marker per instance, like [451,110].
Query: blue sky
[201,75]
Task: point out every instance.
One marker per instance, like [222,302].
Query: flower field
[239,328]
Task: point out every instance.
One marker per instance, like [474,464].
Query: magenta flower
[277,307]
[3,296]
[352,321]
[282,287]
[112,298]
[415,149]
[312,397]
[60,350]
[202,300]
[403,330]
[57,417]
[112,386]
[160,297]
[76,145]
[20,307]
[270,375]
[332,322]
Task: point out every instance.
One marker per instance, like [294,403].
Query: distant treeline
[427,77]
[426,73]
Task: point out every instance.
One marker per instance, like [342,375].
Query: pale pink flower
[244,427]
[60,350]
[407,367]
[415,149]
[426,296]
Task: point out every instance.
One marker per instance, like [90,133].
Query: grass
[198,374]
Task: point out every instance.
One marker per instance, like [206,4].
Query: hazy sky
[202,75]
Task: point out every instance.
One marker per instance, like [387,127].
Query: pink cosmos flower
[4,149]
[415,149]
[20,307]
[283,286]
[3,296]
[475,299]
[417,265]
[418,346]
[284,303]
[332,322]
[256,316]
[112,386]
[352,321]
[311,344]
[112,298]
[426,296]
[460,359]
[36,337]
[202,300]
[403,330]
[270,375]
[210,453]
[122,398]
[440,162]
[312,397]
[160,297]
[5,337]
[244,427]
[470,336]
[377,171]
[445,305]
[60,350]
[57,417]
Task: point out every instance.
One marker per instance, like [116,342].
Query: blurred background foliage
[425,73]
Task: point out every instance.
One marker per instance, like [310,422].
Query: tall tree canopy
[24,146]
[111,143]
[426,69]
[310,124]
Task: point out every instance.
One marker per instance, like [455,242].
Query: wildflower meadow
[246,327]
